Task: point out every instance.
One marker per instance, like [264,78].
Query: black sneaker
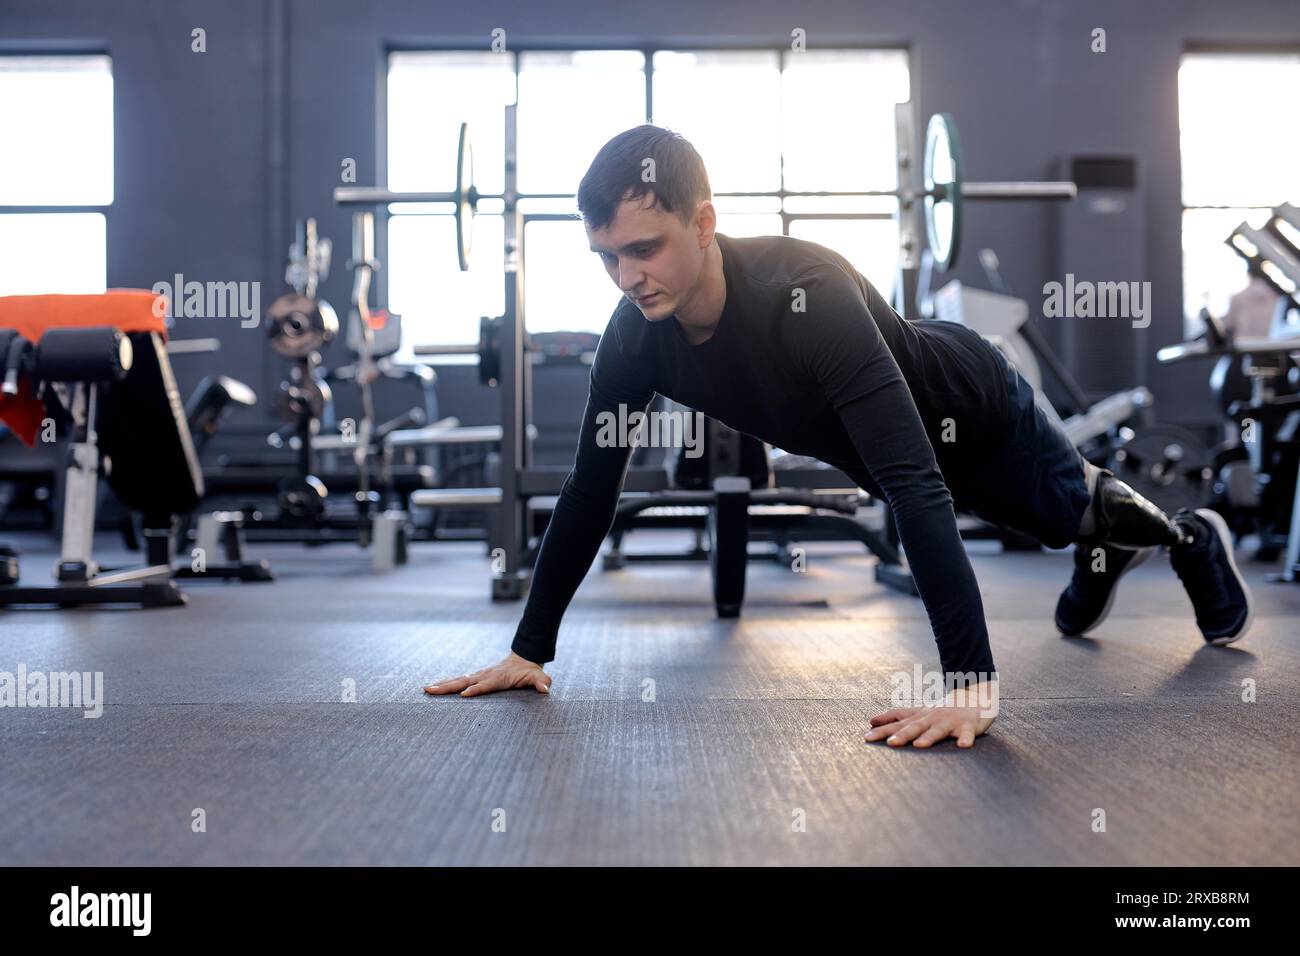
[1209,574]
[1086,601]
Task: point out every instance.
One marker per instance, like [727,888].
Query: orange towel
[131,310]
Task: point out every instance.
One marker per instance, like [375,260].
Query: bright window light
[752,119]
[828,146]
[723,103]
[438,303]
[567,286]
[1212,272]
[424,118]
[743,225]
[1239,146]
[870,245]
[570,105]
[56,149]
[1238,161]
[52,252]
[56,114]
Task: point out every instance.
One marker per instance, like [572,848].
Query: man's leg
[1120,516]
[1098,565]
[1037,482]
[1118,532]
[1120,529]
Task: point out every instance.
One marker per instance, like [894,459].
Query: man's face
[653,257]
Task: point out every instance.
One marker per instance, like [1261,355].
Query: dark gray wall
[213,163]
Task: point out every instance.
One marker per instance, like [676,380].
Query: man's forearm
[582,517]
[945,579]
[578,525]
[892,443]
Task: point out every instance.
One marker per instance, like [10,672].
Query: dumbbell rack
[299,324]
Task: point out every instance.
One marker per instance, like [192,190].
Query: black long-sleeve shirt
[808,357]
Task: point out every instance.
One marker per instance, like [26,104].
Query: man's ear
[706,222]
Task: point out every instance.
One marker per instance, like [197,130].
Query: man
[786,341]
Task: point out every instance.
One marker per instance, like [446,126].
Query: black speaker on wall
[1103,239]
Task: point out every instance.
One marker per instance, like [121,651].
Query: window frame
[67,52]
[515,52]
[1213,48]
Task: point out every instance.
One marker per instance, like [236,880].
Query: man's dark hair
[616,174]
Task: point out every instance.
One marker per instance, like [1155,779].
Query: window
[770,122]
[1239,148]
[56,173]
[775,121]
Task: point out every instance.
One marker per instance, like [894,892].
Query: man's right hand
[513,672]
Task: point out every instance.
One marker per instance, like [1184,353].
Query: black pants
[1031,481]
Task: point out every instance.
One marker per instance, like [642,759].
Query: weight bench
[99,362]
[723,513]
[713,494]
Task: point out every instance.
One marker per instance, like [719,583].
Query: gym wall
[216,155]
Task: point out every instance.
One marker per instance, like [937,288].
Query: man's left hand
[966,713]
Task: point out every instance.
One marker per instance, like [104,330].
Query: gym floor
[749,752]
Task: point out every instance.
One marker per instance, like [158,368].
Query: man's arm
[585,509]
[841,347]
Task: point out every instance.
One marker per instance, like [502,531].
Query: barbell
[465,198]
[943,192]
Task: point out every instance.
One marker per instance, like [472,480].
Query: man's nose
[628,278]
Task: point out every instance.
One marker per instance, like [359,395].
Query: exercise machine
[1256,382]
[116,392]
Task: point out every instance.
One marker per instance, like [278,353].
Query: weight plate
[1168,465]
[298,326]
[303,498]
[466,197]
[489,350]
[942,181]
[299,400]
